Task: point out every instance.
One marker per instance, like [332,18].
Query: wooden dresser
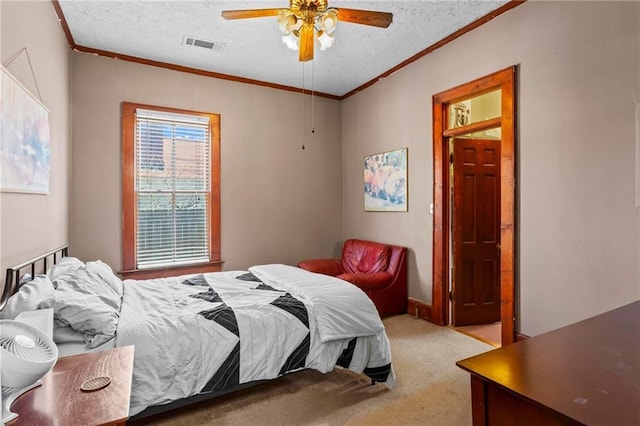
[587,373]
[60,400]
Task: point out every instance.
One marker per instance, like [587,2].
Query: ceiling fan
[300,22]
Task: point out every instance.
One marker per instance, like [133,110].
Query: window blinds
[172,184]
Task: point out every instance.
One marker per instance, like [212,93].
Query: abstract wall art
[24,143]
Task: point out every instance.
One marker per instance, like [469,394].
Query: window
[171,191]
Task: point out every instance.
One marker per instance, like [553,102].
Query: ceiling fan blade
[306,43]
[365,17]
[249,13]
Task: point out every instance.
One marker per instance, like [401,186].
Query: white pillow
[28,297]
[64,269]
[25,278]
[95,279]
[66,334]
[105,272]
[84,313]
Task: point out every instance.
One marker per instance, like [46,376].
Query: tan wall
[280,204]
[579,78]
[579,233]
[32,224]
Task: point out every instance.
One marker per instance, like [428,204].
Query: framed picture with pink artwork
[385,181]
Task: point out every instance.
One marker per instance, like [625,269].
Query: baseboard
[520,337]
[419,309]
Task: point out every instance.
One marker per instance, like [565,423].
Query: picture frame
[385,181]
[24,139]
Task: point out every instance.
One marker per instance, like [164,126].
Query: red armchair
[380,270]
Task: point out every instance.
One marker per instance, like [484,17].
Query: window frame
[129,204]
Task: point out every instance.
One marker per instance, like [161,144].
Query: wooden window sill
[171,271]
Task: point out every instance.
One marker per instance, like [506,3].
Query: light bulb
[326,40]
[329,24]
[291,41]
[286,23]
[330,20]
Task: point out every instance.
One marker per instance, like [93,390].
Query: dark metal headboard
[13,273]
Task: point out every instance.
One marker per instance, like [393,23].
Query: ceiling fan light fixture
[287,22]
[307,20]
[328,21]
[291,41]
[326,40]
[323,24]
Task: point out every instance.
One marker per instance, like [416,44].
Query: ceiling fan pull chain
[303,105]
[313,79]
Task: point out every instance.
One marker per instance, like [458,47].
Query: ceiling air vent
[216,46]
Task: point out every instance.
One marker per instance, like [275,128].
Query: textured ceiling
[252,48]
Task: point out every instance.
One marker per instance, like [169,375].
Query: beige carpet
[430,389]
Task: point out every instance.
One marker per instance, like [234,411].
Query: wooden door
[476,231]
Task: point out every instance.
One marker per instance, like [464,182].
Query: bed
[203,335]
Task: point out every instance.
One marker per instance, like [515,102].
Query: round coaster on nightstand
[95,383]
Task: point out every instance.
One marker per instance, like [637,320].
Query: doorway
[477,260]
[475,231]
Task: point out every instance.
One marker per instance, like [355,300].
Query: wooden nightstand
[60,401]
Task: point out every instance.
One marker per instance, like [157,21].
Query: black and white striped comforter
[212,332]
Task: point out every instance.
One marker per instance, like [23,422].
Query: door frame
[505,80]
